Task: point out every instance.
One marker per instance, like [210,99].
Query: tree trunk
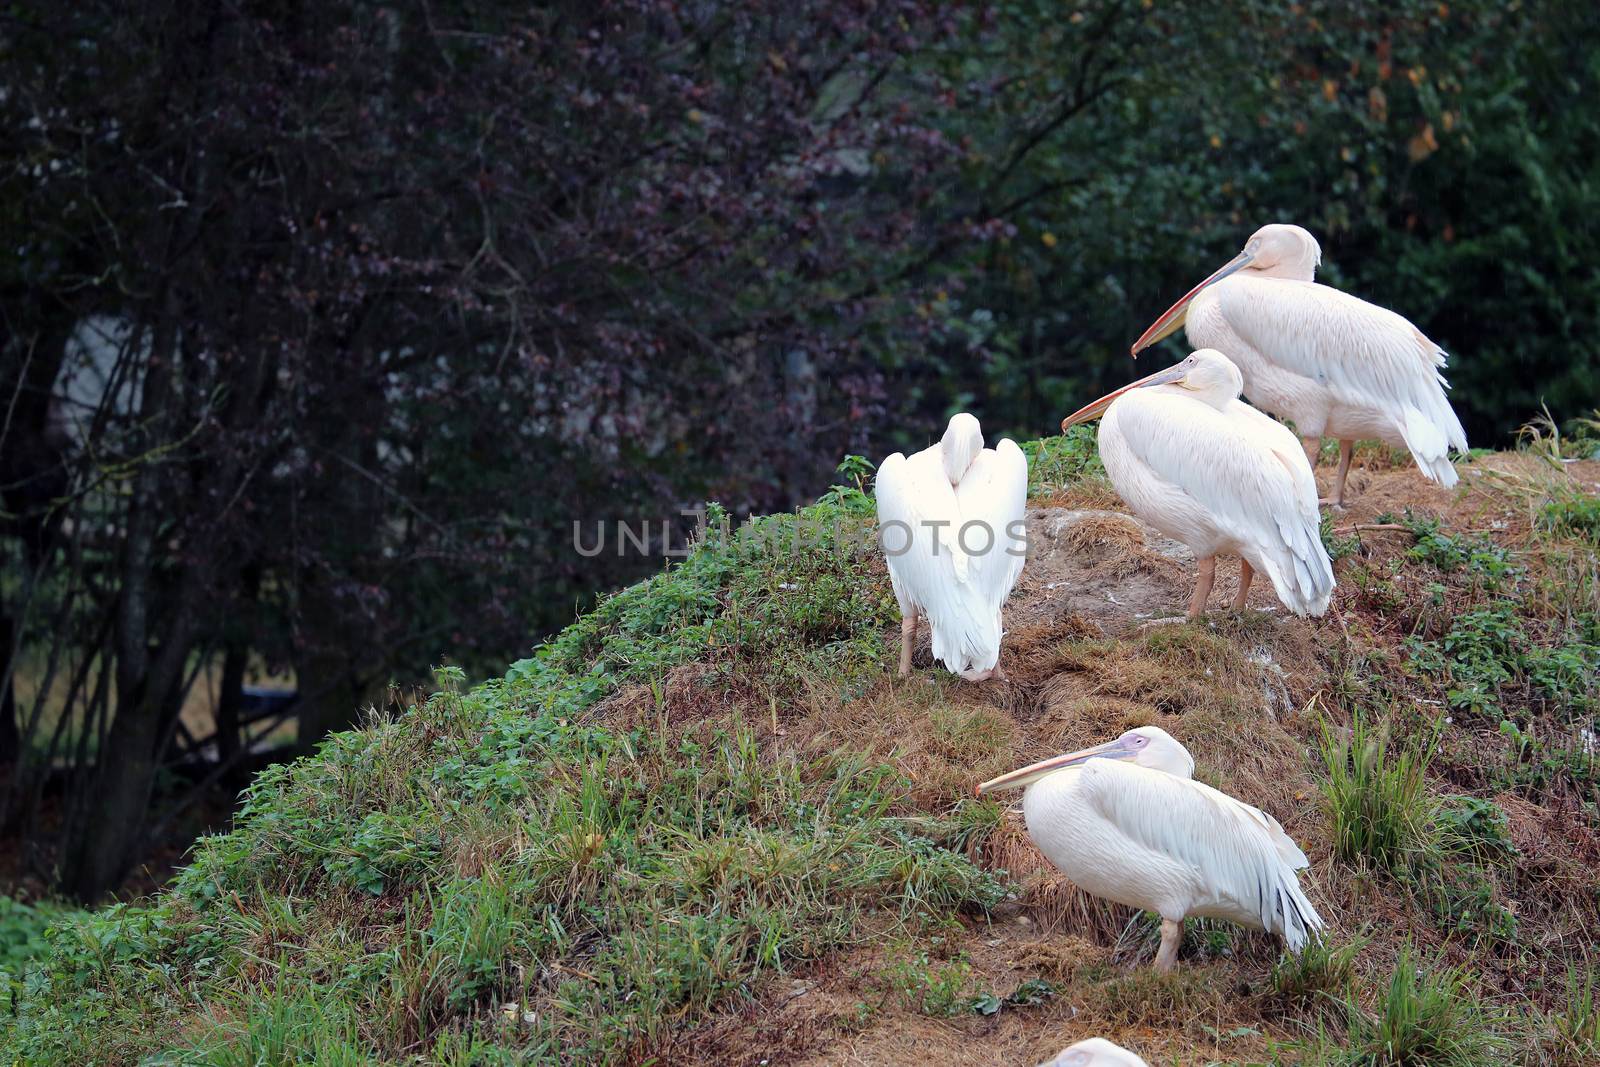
[10,738]
[233,664]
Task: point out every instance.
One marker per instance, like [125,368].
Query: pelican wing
[1238,853]
[1367,356]
[918,519]
[1247,476]
[993,497]
[1283,444]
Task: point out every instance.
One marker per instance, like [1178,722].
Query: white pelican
[1125,821]
[1217,475]
[1095,1052]
[1335,364]
[951,521]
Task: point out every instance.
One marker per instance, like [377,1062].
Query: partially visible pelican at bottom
[1126,821]
[1217,475]
[1335,364]
[1095,1052]
[952,526]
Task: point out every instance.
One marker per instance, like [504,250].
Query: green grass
[1319,977]
[1426,1018]
[22,937]
[1573,1032]
[1377,798]
[512,873]
[1057,462]
[786,598]
[416,877]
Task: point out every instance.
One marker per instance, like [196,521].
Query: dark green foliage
[1487,563]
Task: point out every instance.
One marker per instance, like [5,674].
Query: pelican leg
[1202,587]
[908,639]
[1171,938]
[1313,446]
[1345,449]
[1246,572]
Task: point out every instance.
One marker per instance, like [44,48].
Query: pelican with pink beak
[1333,363]
[1126,821]
[1216,475]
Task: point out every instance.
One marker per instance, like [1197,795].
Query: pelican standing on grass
[1333,363]
[951,522]
[1218,476]
[1125,821]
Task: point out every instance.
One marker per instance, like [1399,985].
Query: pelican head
[1146,746]
[1206,374]
[1095,1052]
[1277,250]
[962,441]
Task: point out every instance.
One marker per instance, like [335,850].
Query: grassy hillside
[706,823]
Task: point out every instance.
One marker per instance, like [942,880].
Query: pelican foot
[1331,504]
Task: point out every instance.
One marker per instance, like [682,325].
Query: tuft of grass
[1143,998]
[1573,1031]
[1426,1017]
[1317,977]
[1377,798]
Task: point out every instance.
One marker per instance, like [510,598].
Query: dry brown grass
[1117,546]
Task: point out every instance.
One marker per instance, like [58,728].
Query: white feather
[1229,480]
[1150,839]
[961,591]
[1333,363]
[1095,1052]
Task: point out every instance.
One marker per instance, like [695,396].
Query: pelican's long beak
[1035,771]
[1173,317]
[1098,407]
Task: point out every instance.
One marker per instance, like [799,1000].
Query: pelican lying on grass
[951,523]
[1335,364]
[1125,821]
[1217,475]
[1095,1052]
